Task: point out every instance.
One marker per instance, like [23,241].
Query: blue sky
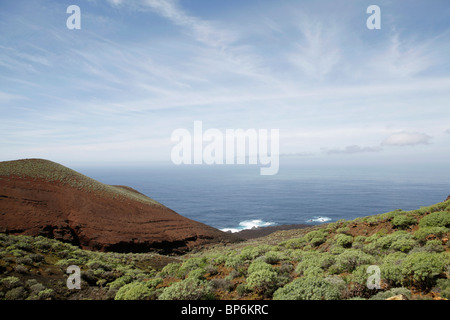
[137,70]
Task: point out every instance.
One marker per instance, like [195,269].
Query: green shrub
[403,222]
[390,215]
[350,259]
[263,280]
[258,265]
[137,290]
[273,257]
[18,293]
[360,239]
[343,240]
[317,237]
[403,245]
[120,282]
[234,262]
[392,268]
[436,219]
[188,289]
[198,273]
[46,294]
[343,230]
[357,283]
[398,241]
[10,282]
[443,286]
[314,262]
[360,275]
[170,270]
[337,250]
[308,288]
[191,264]
[434,246]
[425,232]
[99,264]
[295,243]
[252,252]
[313,271]
[422,268]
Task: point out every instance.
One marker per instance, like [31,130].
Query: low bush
[314,262]
[120,282]
[198,273]
[392,269]
[436,219]
[263,281]
[425,232]
[422,268]
[10,283]
[403,222]
[273,257]
[434,246]
[46,294]
[295,243]
[188,289]
[317,237]
[252,252]
[258,265]
[170,270]
[343,230]
[357,283]
[343,240]
[397,241]
[18,293]
[135,291]
[309,288]
[443,287]
[350,259]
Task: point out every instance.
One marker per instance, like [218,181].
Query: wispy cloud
[316,74]
[317,51]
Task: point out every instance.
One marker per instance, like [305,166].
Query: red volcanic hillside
[40,197]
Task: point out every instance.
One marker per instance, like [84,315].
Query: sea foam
[249,224]
[318,219]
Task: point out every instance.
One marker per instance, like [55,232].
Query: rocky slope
[40,197]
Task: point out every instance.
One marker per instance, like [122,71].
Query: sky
[115,89]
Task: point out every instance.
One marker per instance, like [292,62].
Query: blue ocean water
[237,197]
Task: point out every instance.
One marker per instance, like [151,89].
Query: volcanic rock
[40,197]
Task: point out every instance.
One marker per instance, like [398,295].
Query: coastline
[264,231]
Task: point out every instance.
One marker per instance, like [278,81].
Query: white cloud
[318,52]
[406,139]
[204,31]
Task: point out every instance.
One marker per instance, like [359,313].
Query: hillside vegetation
[329,261]
[50,171]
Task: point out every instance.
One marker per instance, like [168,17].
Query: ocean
[233,198]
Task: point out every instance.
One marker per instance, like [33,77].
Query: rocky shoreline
[264,231]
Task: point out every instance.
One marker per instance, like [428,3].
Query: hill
[329,261]
[42,198]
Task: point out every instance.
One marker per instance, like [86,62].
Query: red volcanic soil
[95,219]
